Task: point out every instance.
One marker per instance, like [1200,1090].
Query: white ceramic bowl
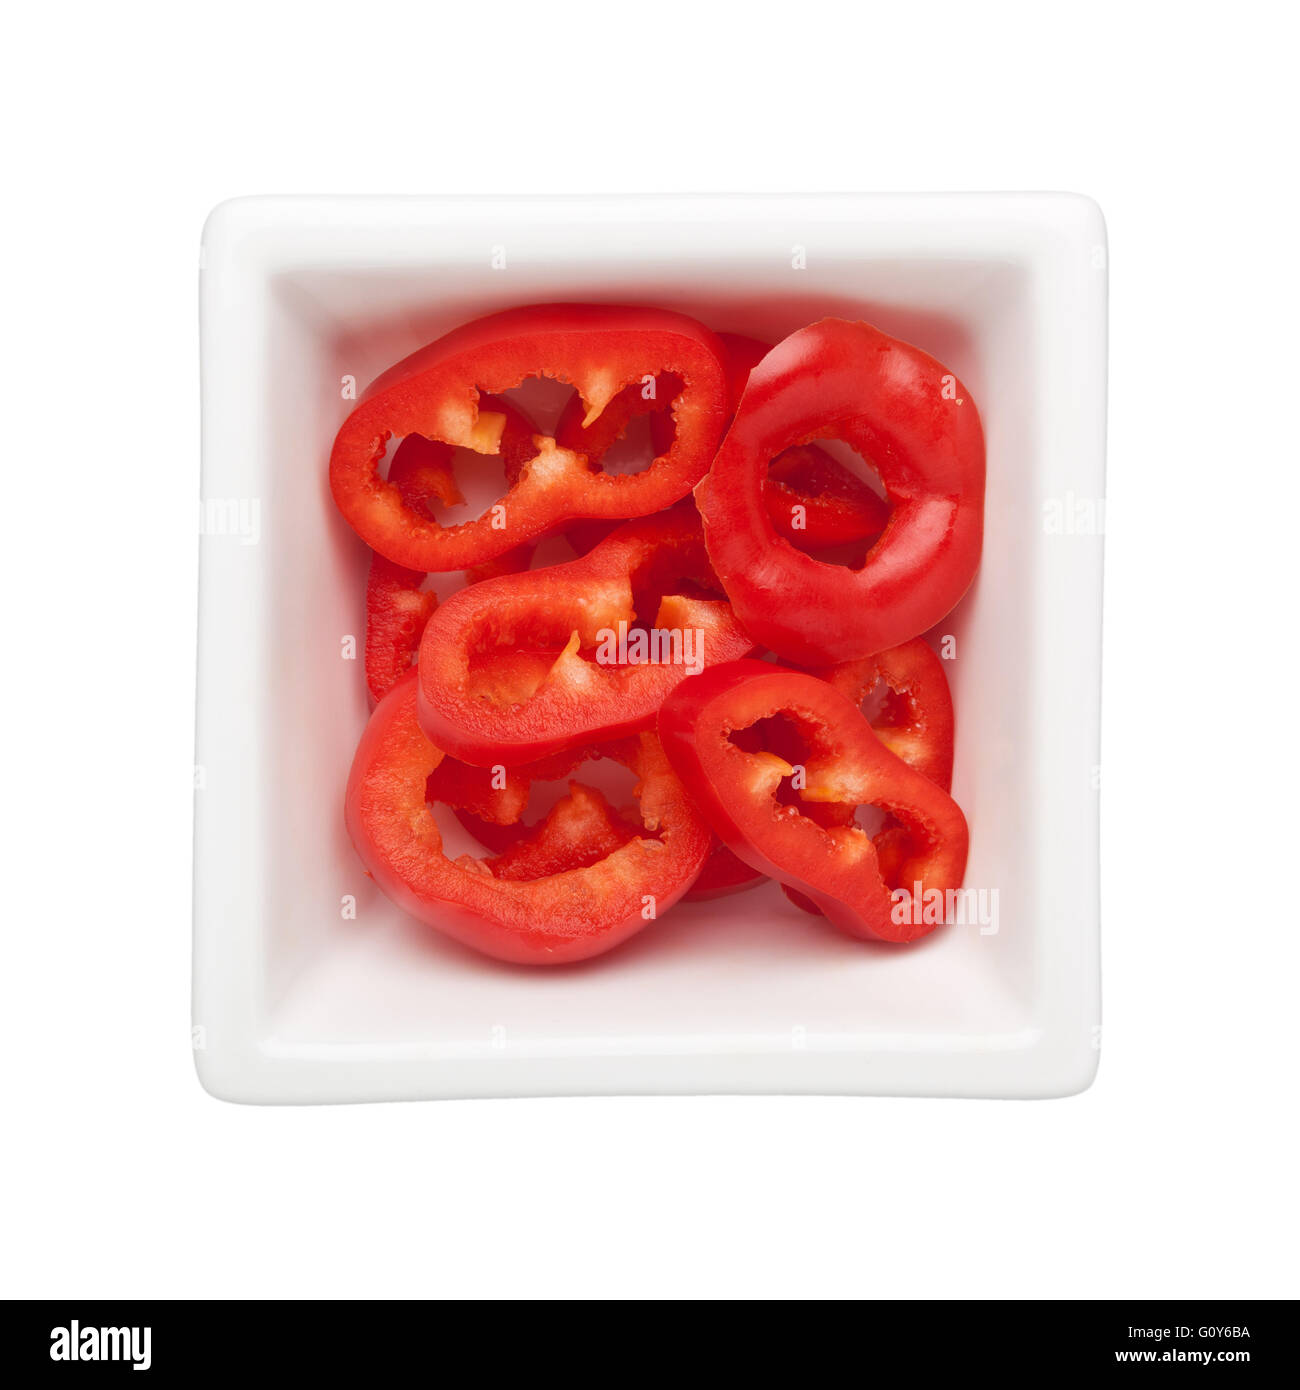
[295,1001]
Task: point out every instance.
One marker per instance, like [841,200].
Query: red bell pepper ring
[554,919]
[397,605]
[906,413]
[915,720]
[599,349]
[839,868]
[525,666]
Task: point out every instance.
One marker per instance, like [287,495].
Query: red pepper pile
[645,649]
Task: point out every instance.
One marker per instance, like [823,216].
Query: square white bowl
[294,1001]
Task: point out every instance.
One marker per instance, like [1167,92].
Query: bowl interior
[746,969]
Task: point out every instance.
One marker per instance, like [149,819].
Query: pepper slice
[554,919]
[911,417]
[397,605]
[599,349]
[838,867]
[524,666]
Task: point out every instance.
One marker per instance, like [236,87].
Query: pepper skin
[597,348]
[916,721]
[489,802]
[397,604]
[837,867]
[898,407]
[524,666]
[554,919]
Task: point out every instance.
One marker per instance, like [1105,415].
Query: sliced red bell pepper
[593,441]
[909,416]
[599,349]
[423,474]
[580,829]
[835,506]
[814,502]
[915,720]
[743,795]
[517,450]
[524,666]
[490,805]
[397,605]
[397,609]
[549,920]
[490,801]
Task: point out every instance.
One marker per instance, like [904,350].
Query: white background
[1174,1175]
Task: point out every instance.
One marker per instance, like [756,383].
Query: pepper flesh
[835,506]
[524,666]
[813,500]
[490,805]
[490,802]
[837,866]
[909,415]
[578,831]
[599,349]
[560,917]
[397,604]
[915,721]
